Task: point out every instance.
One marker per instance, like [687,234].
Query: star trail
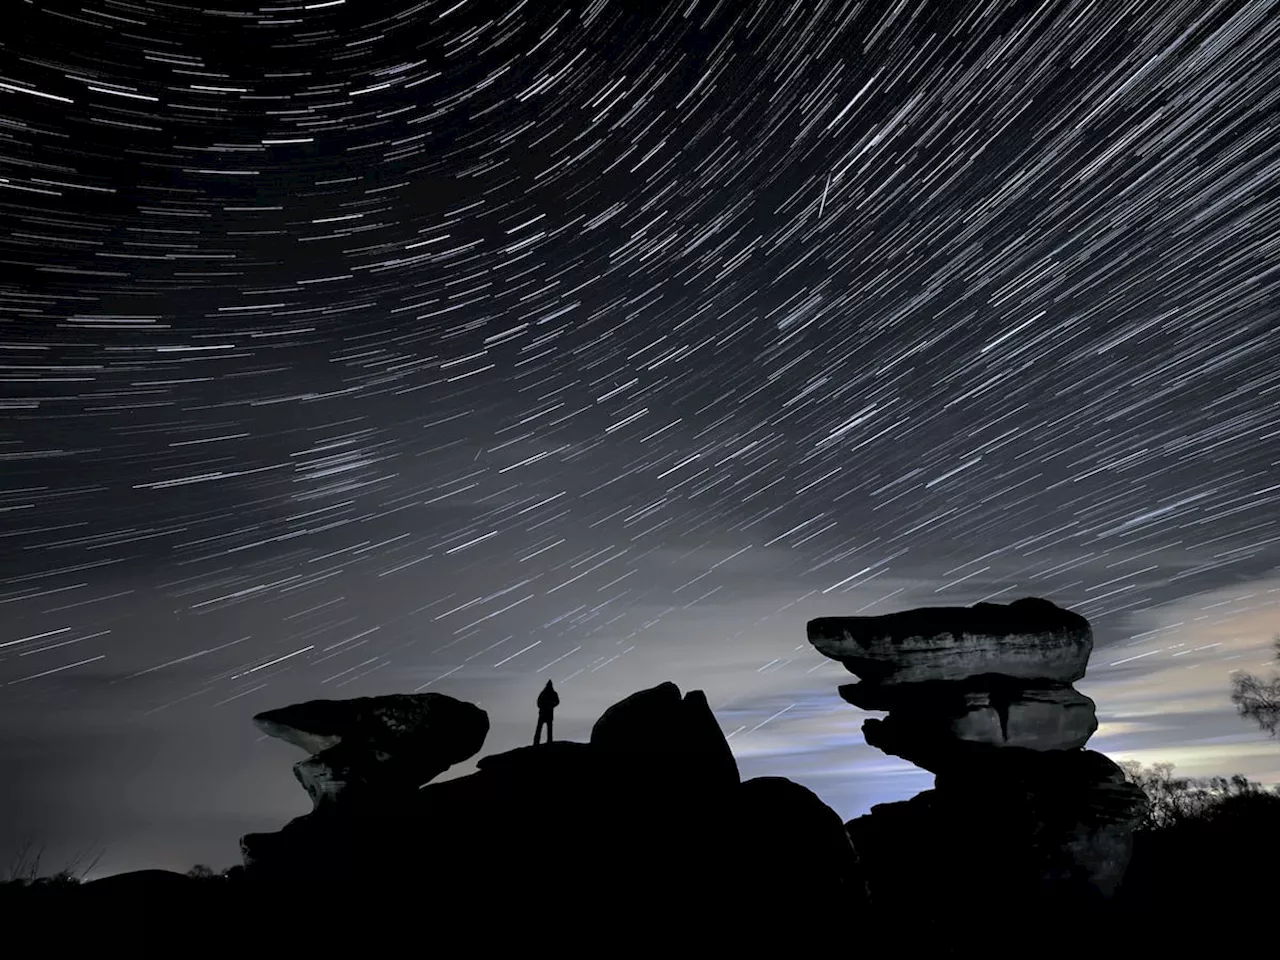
[355,348]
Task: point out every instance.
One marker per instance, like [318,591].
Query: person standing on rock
[548,700]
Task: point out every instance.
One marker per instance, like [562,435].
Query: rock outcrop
[376,744]
[368,752]
[791,833]
[981,696]
[650,814]
[658,731]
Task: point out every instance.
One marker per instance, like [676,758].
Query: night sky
[351,348]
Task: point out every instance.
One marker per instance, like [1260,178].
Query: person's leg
[550,736]
[537,734]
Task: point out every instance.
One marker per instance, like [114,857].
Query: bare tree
[1178,800]
[1258,699]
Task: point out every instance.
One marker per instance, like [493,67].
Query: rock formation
[393,742]
[657,730]
[791,833]
[369,752]
[647,831]
[650,816]
[981,696]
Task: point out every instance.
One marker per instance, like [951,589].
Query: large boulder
[638,721]
[783,829]
[1046,838]
[370,756]
[395,742]
[660,735]
[1029,639]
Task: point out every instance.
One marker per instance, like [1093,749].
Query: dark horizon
[457,347]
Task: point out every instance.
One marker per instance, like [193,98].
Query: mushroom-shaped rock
[982,697]
[398,741]
[1029,639]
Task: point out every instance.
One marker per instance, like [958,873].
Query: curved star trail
[358,348]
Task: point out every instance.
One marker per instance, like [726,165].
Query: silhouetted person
[548,700]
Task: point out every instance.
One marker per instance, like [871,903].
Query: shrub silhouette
[1258,699]
[1177,800]
[1209,843]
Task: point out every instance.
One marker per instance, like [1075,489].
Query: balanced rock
[982,697]
[395,742]
[997,678]
[1029,639]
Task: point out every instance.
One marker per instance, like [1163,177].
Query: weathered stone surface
[940,731]
[1029,639]
[1048,836]
[348,767]
[395,742]
[1099,845]
[317,725]
[982,697]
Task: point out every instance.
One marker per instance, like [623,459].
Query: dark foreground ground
[758,883]
[169,914]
